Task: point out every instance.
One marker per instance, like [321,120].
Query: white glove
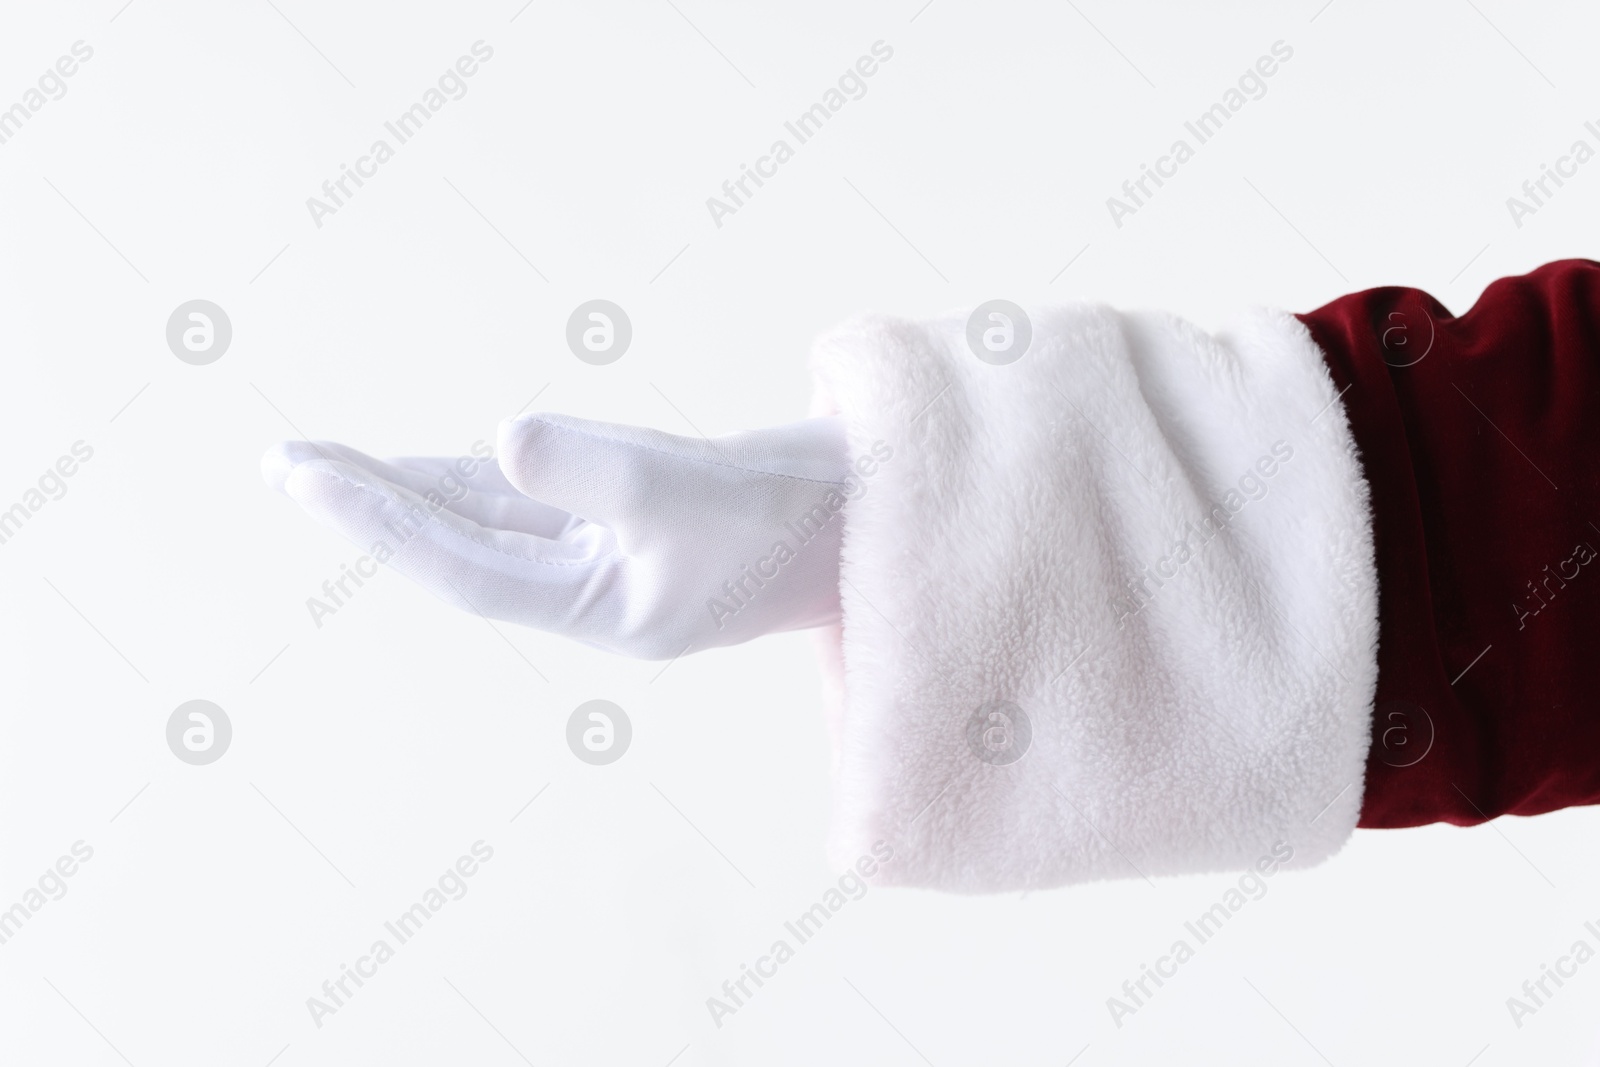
[627,539]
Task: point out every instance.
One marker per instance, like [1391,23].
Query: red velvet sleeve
[1480,439]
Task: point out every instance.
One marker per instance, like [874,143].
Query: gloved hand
[627,539]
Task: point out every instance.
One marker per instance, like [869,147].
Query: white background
[370,753]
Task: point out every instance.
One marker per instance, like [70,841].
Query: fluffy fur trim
[1109,611]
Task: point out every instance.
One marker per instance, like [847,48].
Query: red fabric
[1480,438]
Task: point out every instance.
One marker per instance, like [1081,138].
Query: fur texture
[1189,708]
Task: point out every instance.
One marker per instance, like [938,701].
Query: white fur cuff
[1110,610]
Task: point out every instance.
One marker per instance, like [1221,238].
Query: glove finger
[568,587]
[496,501]
[485,478]
[620,476]
[485,496]
[647,484]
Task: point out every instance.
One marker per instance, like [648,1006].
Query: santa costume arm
[1479,437]
[1204,597]
[1118,599]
